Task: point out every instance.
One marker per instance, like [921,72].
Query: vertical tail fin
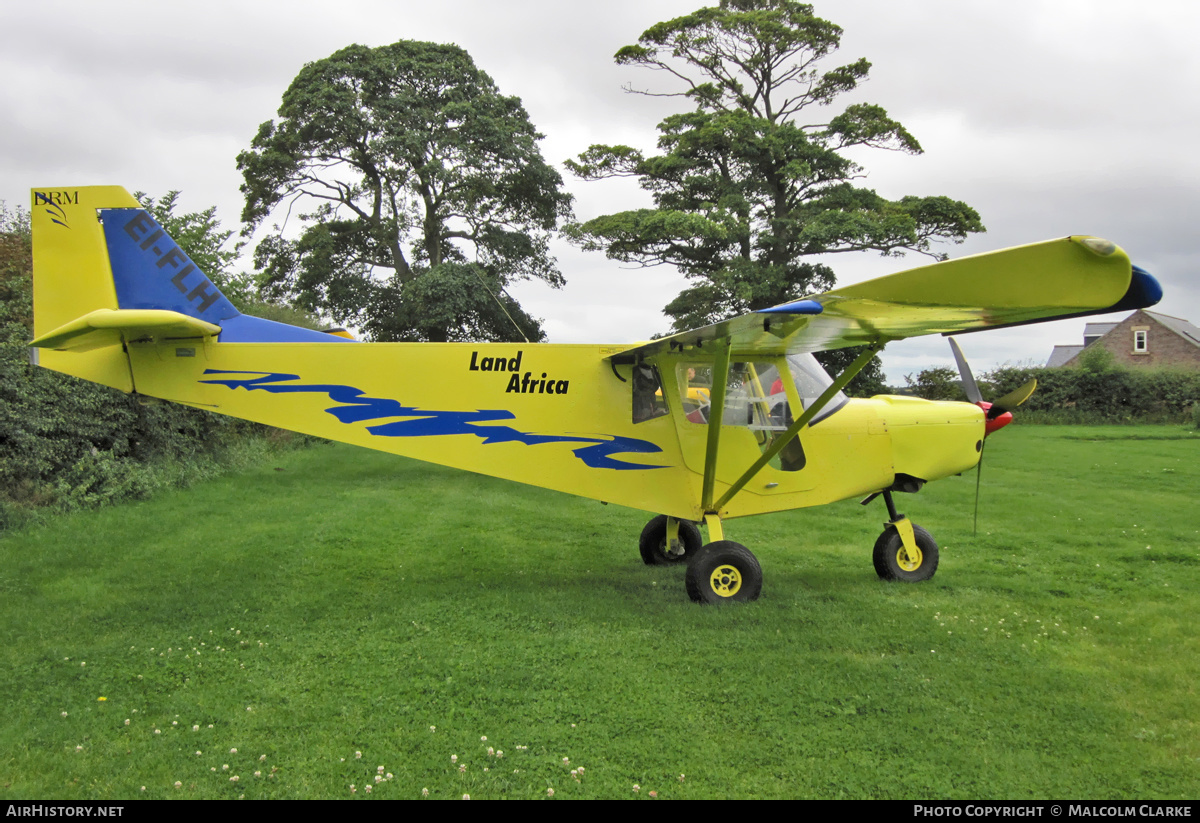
[71,272]
[72,276]
[106,272]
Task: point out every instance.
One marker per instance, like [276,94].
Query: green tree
[937,383]
[426,195]
[747,187]
[1096,359]
[207,244]
[16,267]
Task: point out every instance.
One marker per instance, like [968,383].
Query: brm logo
[53,202]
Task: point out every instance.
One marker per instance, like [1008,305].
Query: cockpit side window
[756,399]
[811,381]
[648,399]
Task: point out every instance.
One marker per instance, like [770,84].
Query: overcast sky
[1050,117]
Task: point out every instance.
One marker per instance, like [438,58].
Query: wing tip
[795,307]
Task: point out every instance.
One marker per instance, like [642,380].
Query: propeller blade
[964,372]
[1011,400]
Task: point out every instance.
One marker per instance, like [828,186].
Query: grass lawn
[346,624]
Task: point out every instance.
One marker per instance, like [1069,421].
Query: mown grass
[341,602]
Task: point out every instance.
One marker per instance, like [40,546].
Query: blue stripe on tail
[150,271]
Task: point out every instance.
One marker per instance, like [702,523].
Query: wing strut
[785,438]
[716,413]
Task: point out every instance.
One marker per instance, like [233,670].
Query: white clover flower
[261,758]
[233,779]
[425,792]
[550,792]
[358,755]
[466,797]
[453,758]
[64,714]
[233,751]
[196,728]
[178,785]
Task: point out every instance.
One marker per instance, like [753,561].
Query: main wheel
[653,543]
[893,562]
[723,571]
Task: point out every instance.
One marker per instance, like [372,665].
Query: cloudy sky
[1051,117]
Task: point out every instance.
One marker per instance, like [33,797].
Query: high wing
[1069,277]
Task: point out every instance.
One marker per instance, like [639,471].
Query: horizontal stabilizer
[112,327]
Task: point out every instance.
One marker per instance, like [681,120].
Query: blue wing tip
[1144,290]
[795,307]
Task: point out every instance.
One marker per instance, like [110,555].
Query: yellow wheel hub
[725,580]
[909,562]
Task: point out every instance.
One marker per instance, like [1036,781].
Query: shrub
[66,443]
[1100,393]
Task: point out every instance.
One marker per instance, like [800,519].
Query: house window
[1139,342]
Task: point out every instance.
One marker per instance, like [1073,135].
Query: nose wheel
[895,561]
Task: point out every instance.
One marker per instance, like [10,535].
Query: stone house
[1142,340]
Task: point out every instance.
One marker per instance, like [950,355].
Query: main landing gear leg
[904,551]
[667,540]
[722,571]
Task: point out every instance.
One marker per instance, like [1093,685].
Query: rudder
[72,276]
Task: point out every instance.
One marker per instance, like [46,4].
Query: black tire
[653,543]
[724,572]
[893,563]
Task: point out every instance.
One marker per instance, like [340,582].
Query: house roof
[1181,327]
[1061,355]
[1095,331]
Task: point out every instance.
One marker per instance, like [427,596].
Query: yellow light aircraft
[733,419]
